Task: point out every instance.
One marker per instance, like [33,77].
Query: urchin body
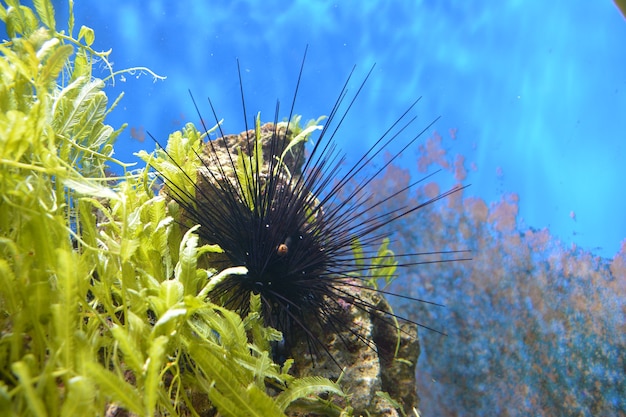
[275,227]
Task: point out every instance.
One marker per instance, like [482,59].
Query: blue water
[536,90]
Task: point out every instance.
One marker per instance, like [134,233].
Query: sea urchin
[306,229]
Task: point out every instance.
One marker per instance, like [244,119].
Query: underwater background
[534,91]
[532,103]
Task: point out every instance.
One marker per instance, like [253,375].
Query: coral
[533,327]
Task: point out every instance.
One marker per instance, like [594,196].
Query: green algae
[102,300]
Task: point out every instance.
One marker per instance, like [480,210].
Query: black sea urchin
[307,230]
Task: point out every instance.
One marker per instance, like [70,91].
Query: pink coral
[535,327]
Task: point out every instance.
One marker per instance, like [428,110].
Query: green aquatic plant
[102,299]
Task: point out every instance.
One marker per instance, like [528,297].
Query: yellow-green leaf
[81,396]
[55,62]
[303,387]
[88,34]
[156,356]
[46,13]
[115,388]
[34,401]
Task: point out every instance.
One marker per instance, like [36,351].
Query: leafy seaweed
[102,294]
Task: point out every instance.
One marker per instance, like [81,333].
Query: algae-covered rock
[362,347]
